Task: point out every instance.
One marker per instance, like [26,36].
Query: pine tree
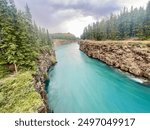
[29,25]
[49,42]
[28,14]
[9,46]
[20,40]
[128,24]
[147,21]
[26,51]
[3,16]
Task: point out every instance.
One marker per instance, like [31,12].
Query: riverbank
[25,91]
[129,56]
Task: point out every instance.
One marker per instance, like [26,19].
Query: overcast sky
[73,15]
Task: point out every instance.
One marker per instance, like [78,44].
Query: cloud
[54,14]
[95,8]
[134,3]
[47,8]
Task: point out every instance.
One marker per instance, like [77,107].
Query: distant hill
[66,36]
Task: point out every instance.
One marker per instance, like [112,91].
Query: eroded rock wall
[45,60]
[132,57]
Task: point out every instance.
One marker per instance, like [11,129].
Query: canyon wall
[45,60]
[132,57]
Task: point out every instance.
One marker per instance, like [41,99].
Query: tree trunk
[15,68]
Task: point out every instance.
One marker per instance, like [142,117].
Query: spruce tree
[20,40]
[133,23]
[147,21]
[8,44]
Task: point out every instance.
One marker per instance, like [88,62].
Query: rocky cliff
[45,60]
[132,57]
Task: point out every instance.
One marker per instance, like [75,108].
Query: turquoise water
[82,84]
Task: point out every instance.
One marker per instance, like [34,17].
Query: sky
[73,15]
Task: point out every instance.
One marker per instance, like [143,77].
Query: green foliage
[17,94]
[147,22]
[21,42]
[19,38]
[128,24]
[66,36]
[43,37]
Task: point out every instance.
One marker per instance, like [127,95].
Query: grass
[120,41]
[17,94]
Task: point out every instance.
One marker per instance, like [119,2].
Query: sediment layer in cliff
[45,60]
[129,56]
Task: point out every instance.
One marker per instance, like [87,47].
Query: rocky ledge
[132,57]
[45,60]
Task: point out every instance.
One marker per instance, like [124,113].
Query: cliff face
[132,57]
[45,60]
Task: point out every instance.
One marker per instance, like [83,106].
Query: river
[85,85]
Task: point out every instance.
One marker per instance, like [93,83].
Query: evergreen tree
[147,21]
[8,44]
[20,40]
[49,41]
[128,24]
[28,14]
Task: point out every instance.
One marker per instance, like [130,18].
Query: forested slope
[22,43]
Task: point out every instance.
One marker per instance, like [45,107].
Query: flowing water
[82,84]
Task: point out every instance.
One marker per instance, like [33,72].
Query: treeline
[20,38]
[66,36]
[128,24]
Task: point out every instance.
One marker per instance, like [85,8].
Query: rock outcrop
[45,60]
[132,57]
